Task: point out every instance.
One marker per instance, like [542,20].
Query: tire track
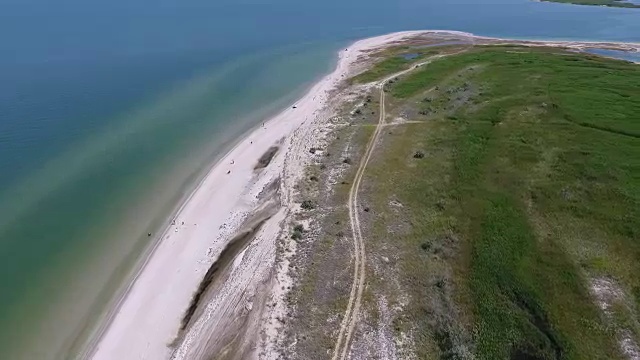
[342,346]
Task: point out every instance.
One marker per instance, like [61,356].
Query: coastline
[146,317]
[132,327]
[163,229]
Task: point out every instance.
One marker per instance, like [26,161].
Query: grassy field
[393,60]
[610,3]
[527,194]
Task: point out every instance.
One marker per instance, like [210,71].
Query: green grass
[391,61]
[610,3]
[539,171]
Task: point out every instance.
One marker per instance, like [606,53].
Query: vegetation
[394,60]
[297,232]
[530,190]
[308,205]
[610,3]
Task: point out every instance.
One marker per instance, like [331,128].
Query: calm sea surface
[110,112]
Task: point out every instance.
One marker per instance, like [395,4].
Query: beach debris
[295,107]
[148,234]
[228,172]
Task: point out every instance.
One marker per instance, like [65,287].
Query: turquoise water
[110,112]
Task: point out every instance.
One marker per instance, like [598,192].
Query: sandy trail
[341,349]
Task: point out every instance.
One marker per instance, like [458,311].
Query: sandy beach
[148,317]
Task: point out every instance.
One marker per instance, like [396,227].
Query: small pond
[618,54]
[409,56]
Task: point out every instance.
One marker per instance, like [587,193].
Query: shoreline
[145,318]
[121,323]
[87,348]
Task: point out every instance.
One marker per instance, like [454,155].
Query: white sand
[148,317]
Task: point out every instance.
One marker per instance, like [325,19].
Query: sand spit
[234,315]
[150,314]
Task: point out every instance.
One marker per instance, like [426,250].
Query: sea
[111,111]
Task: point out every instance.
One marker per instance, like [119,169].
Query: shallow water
[622,55]
[110,112]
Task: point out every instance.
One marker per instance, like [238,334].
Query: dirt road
[342,346]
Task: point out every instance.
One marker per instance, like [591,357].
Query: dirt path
[341,349]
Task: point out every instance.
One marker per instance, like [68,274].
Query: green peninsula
[608,3]
[498,200]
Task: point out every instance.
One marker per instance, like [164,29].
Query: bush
[418,155]
[296,235]
[347,160]
[298,231]
[307,205]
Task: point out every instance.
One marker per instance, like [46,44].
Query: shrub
[298,231]
[307,205]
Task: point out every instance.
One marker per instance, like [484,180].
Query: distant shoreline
[608,3]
